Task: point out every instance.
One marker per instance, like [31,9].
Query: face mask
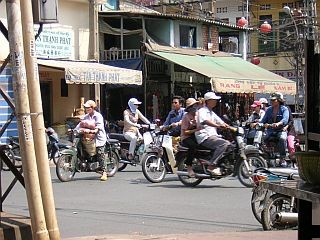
[133,108]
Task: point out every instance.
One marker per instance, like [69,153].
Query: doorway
[46,97]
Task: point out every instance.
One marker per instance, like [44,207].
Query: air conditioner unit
[45,11]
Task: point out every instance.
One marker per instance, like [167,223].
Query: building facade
[68,39]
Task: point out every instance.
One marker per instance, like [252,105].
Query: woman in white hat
[131,127]
[188,128]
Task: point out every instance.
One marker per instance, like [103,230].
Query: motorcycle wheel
[257,202]
[112,163]
[186,180]
[276,203]
[153,168]
[255,161]
[122,166]
[65,168]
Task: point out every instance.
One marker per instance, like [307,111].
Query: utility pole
[23,114]
[93,40]
[38,120]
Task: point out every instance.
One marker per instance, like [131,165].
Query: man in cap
[99,131]
[173,120]
[208,137]
[275,119]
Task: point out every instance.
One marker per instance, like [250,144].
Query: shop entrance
[46,97]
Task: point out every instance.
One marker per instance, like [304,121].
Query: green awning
[232,74]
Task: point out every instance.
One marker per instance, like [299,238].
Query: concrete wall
[73,17]
[232,9]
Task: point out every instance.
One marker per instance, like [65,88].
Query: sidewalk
[252,235]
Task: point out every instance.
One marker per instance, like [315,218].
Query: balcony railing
[117,54]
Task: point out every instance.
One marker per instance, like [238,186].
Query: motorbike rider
[131,127]
[208,137]
[264,104]
[173,120]
[99,132]
[275,119]
[256,116]
[188,128]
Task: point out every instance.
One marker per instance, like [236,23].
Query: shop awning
[93,73]
[232,74]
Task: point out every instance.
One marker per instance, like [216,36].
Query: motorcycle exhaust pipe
[183,173]
[287,217]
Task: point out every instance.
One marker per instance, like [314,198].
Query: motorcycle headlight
[241,130]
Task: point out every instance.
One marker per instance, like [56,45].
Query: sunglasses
[175,102]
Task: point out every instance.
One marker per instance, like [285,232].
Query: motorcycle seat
[118,136]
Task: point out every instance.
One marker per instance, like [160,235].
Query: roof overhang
[78,72]
[232,74]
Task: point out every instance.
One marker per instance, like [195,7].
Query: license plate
[167,141]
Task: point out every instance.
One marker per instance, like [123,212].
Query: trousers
[133,138]
[218,146]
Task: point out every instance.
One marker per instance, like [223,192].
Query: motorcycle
[13,153]
[269,150]
[147,133]
[273,210]
[242,160]
[158,158]
[81,158]
[54,145]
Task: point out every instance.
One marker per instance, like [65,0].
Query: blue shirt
[282,116]
[173,117]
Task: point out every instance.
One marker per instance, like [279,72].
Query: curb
[274,235]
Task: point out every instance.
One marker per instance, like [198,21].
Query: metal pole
[37,120]
[29,165]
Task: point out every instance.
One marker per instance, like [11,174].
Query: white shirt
[204,114]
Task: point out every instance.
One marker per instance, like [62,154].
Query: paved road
[129,204]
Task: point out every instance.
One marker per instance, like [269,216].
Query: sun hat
[277,96]
[134,101]
[190,102]
[256,104]
[90,103]
[211,95]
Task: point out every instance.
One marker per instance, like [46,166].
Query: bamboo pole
[29,166]
[37,120]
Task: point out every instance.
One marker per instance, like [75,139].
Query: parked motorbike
[147,132]
[54,145]
[13,153]
[79,159]
[273,210]
[269,150]
[242,159]
[114,126]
